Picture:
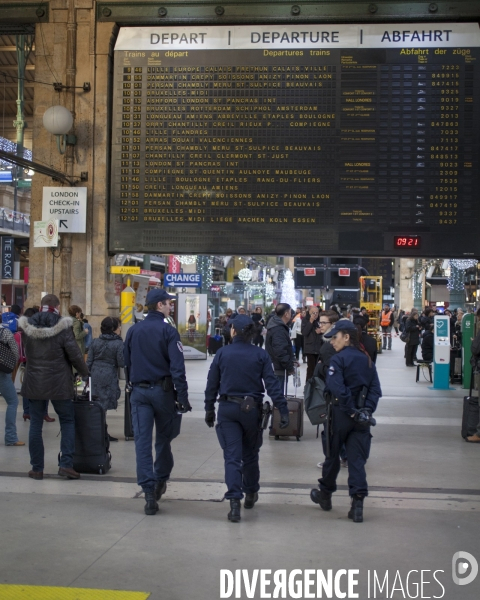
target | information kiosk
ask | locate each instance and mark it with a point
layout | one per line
(441, 353)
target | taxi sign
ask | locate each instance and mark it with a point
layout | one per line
(125, 270)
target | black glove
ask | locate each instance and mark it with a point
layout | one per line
(284, 421)
(210, 417)
(183, 406)
(364, 418)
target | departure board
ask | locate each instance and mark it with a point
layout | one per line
(297, 140)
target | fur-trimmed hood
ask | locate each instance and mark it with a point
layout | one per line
(42, 328)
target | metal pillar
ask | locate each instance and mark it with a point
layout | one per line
(71, 70)
(418, 284)
(24, 45)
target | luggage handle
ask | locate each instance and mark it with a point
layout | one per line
(286, 383)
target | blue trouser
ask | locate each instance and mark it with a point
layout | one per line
(241, 439)
(7, 390)
(357, 440)
(66, 416)
(153, 405)
(26, 406)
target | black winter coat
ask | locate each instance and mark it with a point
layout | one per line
(411, 325)
(370, 345)
(312, 341)
(51, 351)
(278, 345)
(427, 345)
(105, 356)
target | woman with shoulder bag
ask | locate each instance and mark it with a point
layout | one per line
(104, 359)
(8, 361)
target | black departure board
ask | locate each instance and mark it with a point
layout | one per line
(299, 144)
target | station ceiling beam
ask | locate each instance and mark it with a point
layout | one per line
(15, 17)
(281, 11)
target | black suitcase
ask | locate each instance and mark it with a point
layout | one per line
(91, 438)
(470, 417)
(471, 413)
(128, 427)
(295, 410)
(215, 342)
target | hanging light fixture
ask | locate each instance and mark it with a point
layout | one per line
(186, 259)
(244, 275)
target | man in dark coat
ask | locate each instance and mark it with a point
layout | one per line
(413, 327)
(312, 339)
(278, 343)
(51, 352)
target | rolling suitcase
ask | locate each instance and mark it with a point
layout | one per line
(128, 427)
(215, 342)
(92, 445)
(295, 410)
(471, 413)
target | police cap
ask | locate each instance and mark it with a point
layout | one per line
(157, 295)
(344, 325)
(240, 322)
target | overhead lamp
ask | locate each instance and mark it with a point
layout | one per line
(58, 121)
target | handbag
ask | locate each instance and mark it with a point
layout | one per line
(405, 336)
(8, 360)
(19, 378)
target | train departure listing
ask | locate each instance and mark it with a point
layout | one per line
(358, 140)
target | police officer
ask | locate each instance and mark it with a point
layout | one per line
(155, 368)
(353, 383)
(237, 375)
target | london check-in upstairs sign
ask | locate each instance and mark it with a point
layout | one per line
(298, 139)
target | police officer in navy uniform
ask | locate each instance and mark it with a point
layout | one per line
(354, 388)
(237, 376)
(155, 368)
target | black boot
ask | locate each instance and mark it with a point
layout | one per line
(151, 505)
(250, 500)
(321, 497)
(356, 511)
(160, 489)
(234, 514)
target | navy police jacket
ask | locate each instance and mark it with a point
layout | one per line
(153, 351)
(348, 372)
(241, 369)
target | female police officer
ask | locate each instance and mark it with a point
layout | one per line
(237, 375)
(354, 388)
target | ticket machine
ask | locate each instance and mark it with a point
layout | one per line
(441, 353)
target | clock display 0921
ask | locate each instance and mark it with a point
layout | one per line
(407, 241)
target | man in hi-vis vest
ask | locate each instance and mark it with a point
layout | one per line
(386, 322)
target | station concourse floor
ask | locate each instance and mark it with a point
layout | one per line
(424, 505)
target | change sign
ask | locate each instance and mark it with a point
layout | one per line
(68, 205)
(183, 279)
